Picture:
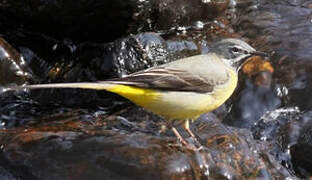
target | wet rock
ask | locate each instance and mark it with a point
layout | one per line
(4, 174)
(81, 20)
(279, 25)
(301, 151)
(288, 136)
(122, 57)
(66, 62)
(253, 101)
(278, 123)
(296, 83)
(283, 28)
(86, 135)
(13, 68)
(41, 52)
(279, 129)
(106, 21)
(287, 132)
(92, 148)
(181, 13)
(54, 60)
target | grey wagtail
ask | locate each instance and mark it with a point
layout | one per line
(183, 89)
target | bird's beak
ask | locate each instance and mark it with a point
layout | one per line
(259, 53)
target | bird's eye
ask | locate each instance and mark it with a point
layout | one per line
(235, 50)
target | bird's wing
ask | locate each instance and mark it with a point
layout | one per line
(167, 78)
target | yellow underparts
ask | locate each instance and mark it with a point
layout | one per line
(177, 104)
(140, 96)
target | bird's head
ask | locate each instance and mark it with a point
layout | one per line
(234, 51)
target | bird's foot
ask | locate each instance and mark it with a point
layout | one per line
(188, 145)
(188, 130)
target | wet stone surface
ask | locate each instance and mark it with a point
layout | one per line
(262, 132)
(93, 20)
(284, 26)
(13, 68)
(83, 150)
(301, 151)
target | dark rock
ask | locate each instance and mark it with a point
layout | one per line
(42, 53)
(279, 130)
(93, 149)
(81, 20)
(250, 104)
(13, 68)
(287, 133)
(183, 13)
(122, 57)
(106, 21)
(291, 38)
(301, 151)
(282, 27)
(78, 134)
(62, 61)
(4, 174)
(297, 81)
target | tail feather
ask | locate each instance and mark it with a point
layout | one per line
(80, 85)
(117, 87)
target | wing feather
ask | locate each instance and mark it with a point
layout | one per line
(164, 78)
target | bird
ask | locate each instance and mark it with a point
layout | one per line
(181, 90)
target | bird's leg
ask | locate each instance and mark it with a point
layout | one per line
(180, 138)
(188, 130)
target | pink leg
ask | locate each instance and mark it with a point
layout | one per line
(180, 138)
(188, 130)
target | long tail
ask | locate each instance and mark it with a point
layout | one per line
(141, 96)
(131, 92)
(80, 85)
